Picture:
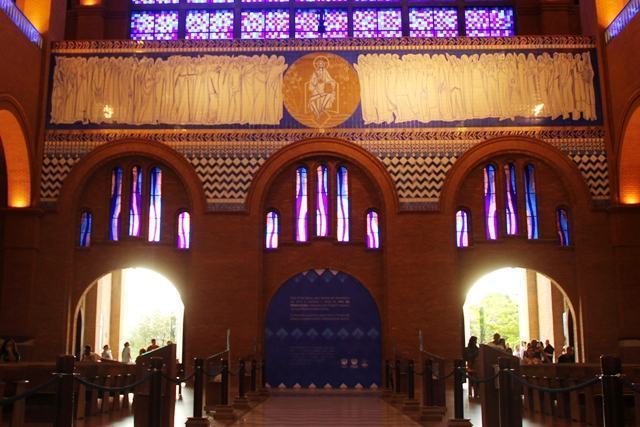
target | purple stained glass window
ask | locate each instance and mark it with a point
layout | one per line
(265, 24)
(375, 23)
(184, 230)
(562, 222)
(301, 205)
(321, 23)
(342, 199)
(322, 201)
(135, 202)
(115, 206)
(209, 25)
(86, 220)
(373, 230)
(490, 210)
(511, 199)
(433, 22)
(531, 202)
(489, 22)
(209, 1)
(155, 2)
(154, 25)
(462, 228)
(271, 230)
(155, 205)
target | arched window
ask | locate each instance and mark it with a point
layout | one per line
(322, 201)
(462, 228)
(184, 230)
(301, 205)
(562, 222)
(86, 220)
(271, 230)
(342, 199)
(531, 201)
(155, 205)
(511, 198)
(115, 206)
(373, 230)
(136, 201)
(490, 210)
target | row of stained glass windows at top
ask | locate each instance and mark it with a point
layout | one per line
(323, 23)
(135, 209)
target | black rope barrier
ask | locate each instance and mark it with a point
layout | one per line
(112, 389)
(450, 374)
(555, 390)
(178, 380)
(212, 374)
(27, 393)
(481, 380)
(633, 386)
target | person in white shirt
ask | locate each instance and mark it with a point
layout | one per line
(106, 353)
(126, 353)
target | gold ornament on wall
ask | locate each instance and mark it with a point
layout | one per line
(321, 90)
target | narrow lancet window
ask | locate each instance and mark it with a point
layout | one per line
(115, 206)
(462, 228)
(85, 229)
(531, 202)
(136, 201)
(562, 220)
(155, 205)
(184, 230)
(271, 230)
(373, 230)
(511, 199)
(301, 205)
(490, 211)
(322, 201)
(342, 197)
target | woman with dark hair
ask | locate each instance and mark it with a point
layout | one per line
(9, 351)
(470, 355)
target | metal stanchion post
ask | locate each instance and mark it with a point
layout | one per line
(64, 410)
(198, 388)
(612, 398)
(155, 392)
(458, 404)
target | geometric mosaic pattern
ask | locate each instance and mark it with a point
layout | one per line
(489, 22)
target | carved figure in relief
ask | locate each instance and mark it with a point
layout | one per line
(322, 88)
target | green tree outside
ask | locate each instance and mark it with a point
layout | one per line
(160, 326)
(495, 313)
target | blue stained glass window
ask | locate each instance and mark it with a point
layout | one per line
(155, 2)
(531, 201)
(375, 23)
(209, 25)
(271, 230)
(155, 205)
(342, 199)
(511, 199)
(209, 1)
(86, 220)
(301, 205)
(490, 210)
(373, 230)
(154, 25)
(136, 201)
(115, 206)
(265, 24)
(321, 23)
(462, 228)
(489, 22)
(322, 201)
(433, 22)
(184, 230)
(562, 222)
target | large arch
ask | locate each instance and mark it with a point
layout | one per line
(629, 155)
(15, 144)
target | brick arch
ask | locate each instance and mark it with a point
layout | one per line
(15, 145)
(515, 145)
(370, 164)
(629, 155)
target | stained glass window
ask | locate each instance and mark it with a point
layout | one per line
(265, 24)
(301, 205)
(490, 210)
(373, 23)
(85, 228)
(373, 230)
(155, 205)
(322, 201)
(135, 202)
(321, 23)
(212, 25)
(155, 1)
(184, 230)
(154, 25)
(489, 22)
(562, 222)
(115, 206)
(271, 230)
(433, 22)
(209, 1)
(462, 228)
(531, 201)
(511, 199)
(342, 199)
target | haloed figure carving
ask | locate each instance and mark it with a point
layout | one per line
(322, 88)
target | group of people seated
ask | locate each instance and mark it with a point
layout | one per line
(89, 355)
